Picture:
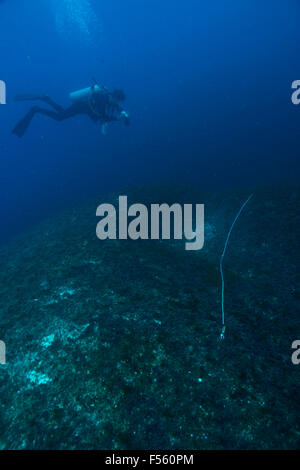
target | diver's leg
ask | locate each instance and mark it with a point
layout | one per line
(61, 115)
(52, 103)
(28, 97)
(45, 98)
(23, 124)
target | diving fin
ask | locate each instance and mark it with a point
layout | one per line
(23, 124)
(28, 97)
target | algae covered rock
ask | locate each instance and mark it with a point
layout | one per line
(114, 344)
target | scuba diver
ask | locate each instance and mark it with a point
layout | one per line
(97, 102)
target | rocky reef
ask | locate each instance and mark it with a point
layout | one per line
(115, 344)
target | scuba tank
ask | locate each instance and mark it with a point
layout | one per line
(86, 94)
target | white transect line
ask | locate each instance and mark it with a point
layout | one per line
(221, 262)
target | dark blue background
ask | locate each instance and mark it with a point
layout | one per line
(208, 87)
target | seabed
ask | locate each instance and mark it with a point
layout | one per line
(114, 344)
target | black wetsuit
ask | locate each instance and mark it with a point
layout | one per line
(99, 107)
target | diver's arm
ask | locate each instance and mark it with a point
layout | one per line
(117, 113)
(124, 116)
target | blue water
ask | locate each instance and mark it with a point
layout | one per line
(208, 88)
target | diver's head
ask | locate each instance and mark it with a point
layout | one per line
(118, 95)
